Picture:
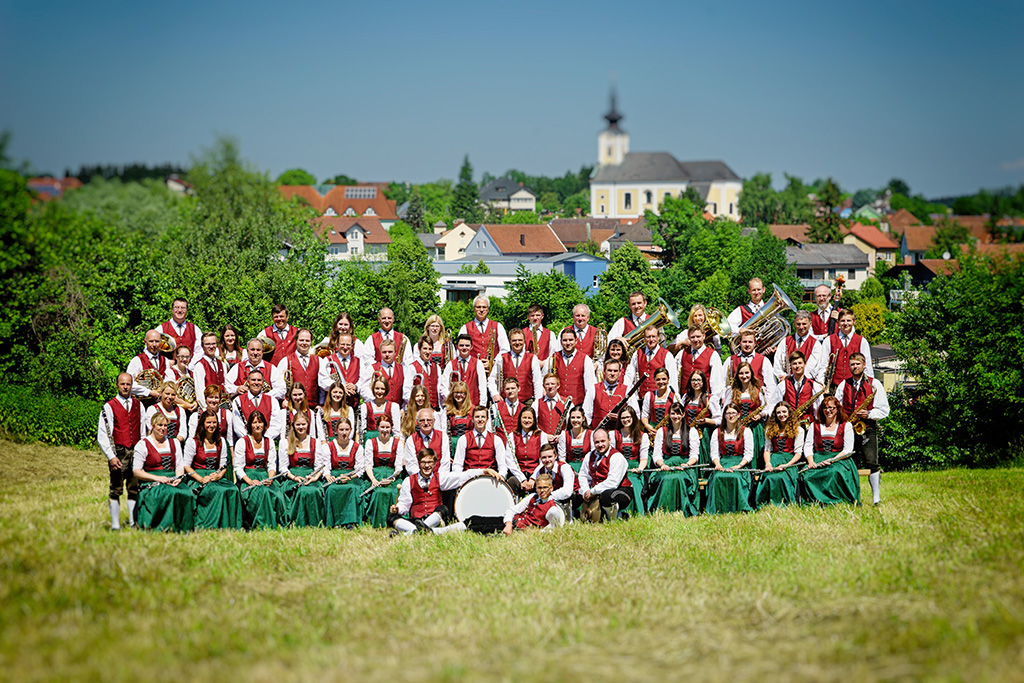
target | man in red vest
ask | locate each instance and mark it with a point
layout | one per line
(209, 370)
(345, 367)
(150, 359)
(183, 332)
(650, 357)
(120, 428)
(518, 363)
(606, 395)
(422, 371)
(584, 331)
(255, 399)
(747, 353)
(551, 405)
(480, 330)
(825, 320)
(390, 368)
(545, 339)
(864, 399)
(741, 314)
(604, 486)
(704, 358)
(574, 368)
(237, 379)
(844, 342)
(371, 349)
(465, 367)
(802, 340)
(281, 333)
(509, 406)
(538, 509)
(425, 436)
(636, 317)
(304, 367)
(796, 388)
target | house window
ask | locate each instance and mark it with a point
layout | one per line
(330, 211)
(628, 201)
(350, 211)
(596, 281)
(602, 208)
(714, 207)
(730, 207)
(648, 197)
(369, 212)
(804, 274)
(851, 274)
(609, 151)
(668, 196)
(360, 193)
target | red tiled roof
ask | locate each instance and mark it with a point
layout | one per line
(375, 232)
(797, 233)
(901, 219)
(919, 237)
(941, 266)
(1015, 250)
(977, 226)
(873, 236)
(532, 238)
(572, 231)
(335, 198)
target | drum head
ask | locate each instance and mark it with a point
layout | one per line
(483, 496)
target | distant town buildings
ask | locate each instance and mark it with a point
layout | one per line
(506, 195)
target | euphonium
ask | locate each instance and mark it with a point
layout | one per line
(665, 315)
(768, 325)
(268, 343)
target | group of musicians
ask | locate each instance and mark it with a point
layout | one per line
(206, 433)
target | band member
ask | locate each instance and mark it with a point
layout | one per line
(796, 388)
(150, 359)
(297, 404)
(434, 331)
(423, 372)
(551, 405)
(509, 406)
(656, 403)
(183, 332)
(747, 392)
(255, 463)
(843, 343)
(702, 357)
(482, 331)
(651, 357)
(388, 367)
(384, 466)
(825, 321)
(527, 441)
(540, 341)
(803, 341)
(371, 348)
(865, 401)
(602, 401)
(457, 414)
(562, 475)
(334, 411)
(732, 448)
(482, 448)
(167, 406)
(347, 369)
(426, 436)
(282, 334)
(464, 368)
(761, 366)
(538, 509)
(120, 428)
(255, 399)
(626, 324)
(604, 487)
(179, 371)
(617, 350)
(698, 316)
(831, 475)
(218, 505)
(299, 367)
(703, 412)
(159, 467)
(419, 505)
(228, 350)
(214, 405)
(344, 464)
(741, 314)
(576, 441)
(342, 325)
(585, 333)
(379, 405)
(574, 368)
(417, 401)
(783, 451)
(676, 446)
(518, 363)
(238, 376)
(209, 371)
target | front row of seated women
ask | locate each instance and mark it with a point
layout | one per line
(308, 481)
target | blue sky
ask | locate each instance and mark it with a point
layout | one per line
(927, 91)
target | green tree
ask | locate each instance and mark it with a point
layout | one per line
(411, 283)
(758, 201)
(872, 289)
(588, 247)
(521, 218)
(341, 179)
(827, 225)
(870, 319)
(548, 202)
(146, 207)
(480, 269)
(863, 197)
(296, 176)
(898, 186)
(466, 201)
(554, 291)
(416, 215)
(580, 201)
(679, 220)
(949, 236)
(629, 271)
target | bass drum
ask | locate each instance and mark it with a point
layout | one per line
(483, 496)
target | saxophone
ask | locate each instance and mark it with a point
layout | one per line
(860, 426)
(798, 413)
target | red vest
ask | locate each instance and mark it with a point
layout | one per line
(253, 461)
(628, 325)
(535, 513)
(585, 344)
(746, 312)
(331, 424)
(175, 421)
(206, 460)
(557, 481)
(789, 395)
(851, 400)
(161, 363)
(576, 453)
(687, 364)
(673, 446)
(646, 367)
(427, 376)
(349, 375)
(395, 381)
(469, 377)
(527, 452)
(823, 446)
(823, 327)
(214, 372)
(245, 368)
(630, 449)
(783, 444)
(730, 447)
(304, 458)
(384, 459)
(425, 501)
(343, 460)
(748, 405)
(509, 420)
(187, 339)
(843, 355)
(544, 336)
(125, 429)
(599, 471)
(524, 373)
(547, 418)
(376, 338)
(757, 365)
(435, 444)
(291, 415)
(246, 406)
(605, 401)
(306, 377)
(571, 375)
(479, 457)
(282, 347)
(480, 340)
(157, 461)
(806, 348)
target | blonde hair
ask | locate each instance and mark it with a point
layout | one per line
(409, 414)
(293, 438)
(435, 318)
(449, 403)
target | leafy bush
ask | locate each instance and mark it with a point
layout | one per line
(29, 415)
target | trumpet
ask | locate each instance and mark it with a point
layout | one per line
(635, 339)
(768, 324)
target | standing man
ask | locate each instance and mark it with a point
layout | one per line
(237, 377)
(150, 359)
(701, 357)
(371, 349)
(422, 371)
(825, 321)
(741, 314)
(345, 367)
(867, 394)
(636, 317)
(604, 485)
(551, 405)
(390, 368)
(545, 339)
(518, 363)
(183, 332)
(762, 367)
(209, 370)
(844, 342)
(651, 357)
(304, 367)
(465, 367)
(281, 333)
(606, 395)
(575, 369)
(120, 428)
(508, 405)
(481, 329)
(481, 448)
(795, 389)
(802, 340)
(584, 332)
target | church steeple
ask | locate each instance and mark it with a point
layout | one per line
(612, 142)
(613, 116)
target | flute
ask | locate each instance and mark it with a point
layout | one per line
(351, 475)
(830, 461)
(260, 483)
(382, 482)
(172, 482)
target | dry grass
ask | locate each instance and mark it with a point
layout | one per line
(927, 586)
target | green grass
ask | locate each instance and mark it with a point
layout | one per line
(927, 586)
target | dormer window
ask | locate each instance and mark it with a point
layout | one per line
(330, 211)
(350, 211)
(369, 212)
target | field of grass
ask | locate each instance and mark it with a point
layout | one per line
(929, 585)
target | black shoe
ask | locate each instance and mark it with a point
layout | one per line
(394, 533)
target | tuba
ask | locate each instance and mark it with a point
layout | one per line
(635, 339)
(268, 343)
(768, 325)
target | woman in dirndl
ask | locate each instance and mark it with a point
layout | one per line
(255, 461)
(746, 392)
(703, 412)
(732, 448)
(632, 441)
(673, 489)
(218, 505)
(334, 411)
(457, 413)
(655, 405)
(576, 442)
(159, 465)
(298, 402)
(297, 461)
(344, 483)
(419, 400)
(380, 388)
(831, 475)
(783, 451)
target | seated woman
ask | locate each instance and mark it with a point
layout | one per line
(255, 461)
(576, 442)
(177, 419)
(334, 411)
(746, 392)
(456, 414)
(783, 449)
(297, 462)
(732, 448)
(380, 387)
(383, 457)
(632, 441)
(298, 402)
(675, 446)
(160, 466)
(656, 403)
(418, 400)
(218, 505)
(831, 475)
(344, 464)
(702, 412)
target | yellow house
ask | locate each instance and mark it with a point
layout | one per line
(455, 241)
(626, 183)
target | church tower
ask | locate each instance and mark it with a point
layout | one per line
(612, 142)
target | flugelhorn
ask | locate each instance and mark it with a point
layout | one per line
(768, 325)
(665, 315)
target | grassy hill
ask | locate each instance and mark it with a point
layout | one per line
(927, 586)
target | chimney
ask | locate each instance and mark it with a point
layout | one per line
(588, 231)
(522, 239)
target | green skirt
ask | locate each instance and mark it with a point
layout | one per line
(704, 455)
(218, 505)
(636, 506)
(305, 503)
(777, 488)
(344, 504)
(379, 501)
(728, 491)
(836, 483)
(164, 507)
(263, 507)
(674, 491)
(757, 429)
